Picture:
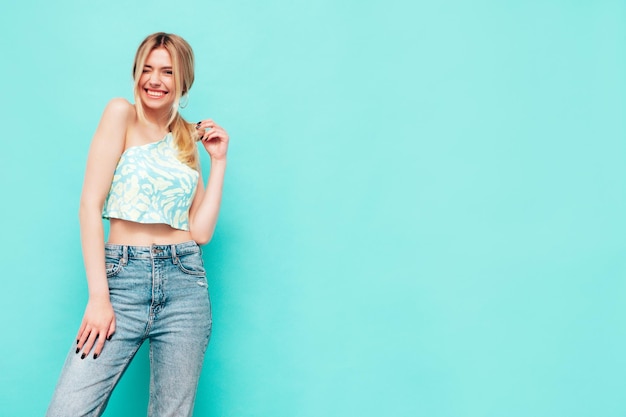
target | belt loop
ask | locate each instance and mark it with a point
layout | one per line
(174, 256)
(124, 254)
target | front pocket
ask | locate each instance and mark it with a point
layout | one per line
(113, 266)
(191, 264)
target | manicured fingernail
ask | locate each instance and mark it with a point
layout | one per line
(83, 355)
(198, 124)
(77, 350)
(95, 356)
(109, 338)
(77, 341)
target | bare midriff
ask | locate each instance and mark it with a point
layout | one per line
(124, 232)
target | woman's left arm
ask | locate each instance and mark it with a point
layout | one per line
(206, 204)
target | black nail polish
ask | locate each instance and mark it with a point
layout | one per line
(83, 355)
(77, 341)
(77, 350)
(95, 356)
(109, 338)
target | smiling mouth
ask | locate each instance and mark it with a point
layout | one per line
(155, 93)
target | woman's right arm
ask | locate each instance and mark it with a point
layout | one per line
(106, 147)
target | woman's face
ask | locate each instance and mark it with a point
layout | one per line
(156, 83)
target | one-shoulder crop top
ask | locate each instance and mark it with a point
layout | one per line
(150, 185)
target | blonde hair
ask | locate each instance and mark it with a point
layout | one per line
(184, 133)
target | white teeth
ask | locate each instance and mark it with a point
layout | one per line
(155, 93)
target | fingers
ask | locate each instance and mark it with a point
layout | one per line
(91, 340)
(214, 138)
(206, 124)
(94, 332)
(202, 127)
(205, 127)
(83, 337)
(83, 325)
(86, 342)
(213, 134)
(100, 339)
(99, 344)
(111, 329)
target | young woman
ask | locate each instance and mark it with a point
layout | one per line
(148, 280)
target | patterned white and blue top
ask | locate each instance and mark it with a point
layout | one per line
(150, 185)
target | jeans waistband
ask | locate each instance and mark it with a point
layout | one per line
(152, 251)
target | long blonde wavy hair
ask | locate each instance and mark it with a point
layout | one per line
(183, 132)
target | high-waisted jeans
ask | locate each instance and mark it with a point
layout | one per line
(159, 293)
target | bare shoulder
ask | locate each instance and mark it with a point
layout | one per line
(119, 110)
(118, 115)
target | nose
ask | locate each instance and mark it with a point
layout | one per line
(154, 79)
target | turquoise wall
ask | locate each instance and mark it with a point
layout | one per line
(423, 212)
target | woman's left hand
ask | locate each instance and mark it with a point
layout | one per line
(215, 139)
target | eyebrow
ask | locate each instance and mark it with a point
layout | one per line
(150, 66)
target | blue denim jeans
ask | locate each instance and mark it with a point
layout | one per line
(159, 293)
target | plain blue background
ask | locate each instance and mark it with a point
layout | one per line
(423, 212)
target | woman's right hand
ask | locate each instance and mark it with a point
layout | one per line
(98, 325)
